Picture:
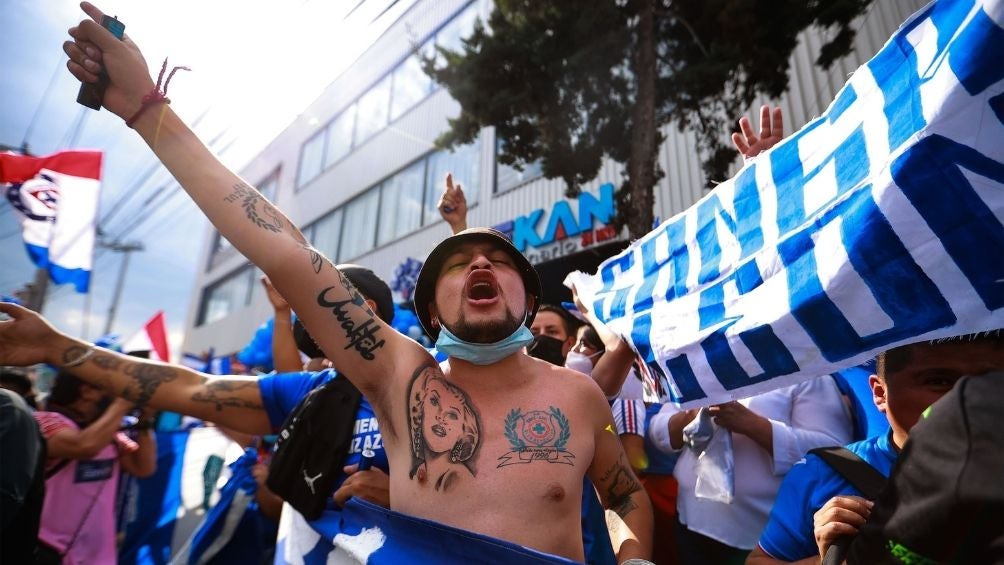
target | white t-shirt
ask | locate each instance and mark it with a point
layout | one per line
(803, 416)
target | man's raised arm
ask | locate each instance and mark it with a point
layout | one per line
(234, 402)
(359, 344)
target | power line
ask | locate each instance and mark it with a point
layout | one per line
(41, 102)
(157, 165)
(140, 217)
(74, 131)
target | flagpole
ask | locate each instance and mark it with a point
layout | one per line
(38, 289)
(87, 314)
(127, 249)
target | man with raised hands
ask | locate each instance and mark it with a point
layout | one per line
(488, 443)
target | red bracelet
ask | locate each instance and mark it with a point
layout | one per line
(152, 98)
(156, 96)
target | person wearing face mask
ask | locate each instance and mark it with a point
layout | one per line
(554, 334)
(586, 352)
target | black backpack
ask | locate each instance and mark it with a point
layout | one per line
(312, 446)
(859, 473)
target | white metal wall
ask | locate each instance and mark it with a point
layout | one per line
(411, 136)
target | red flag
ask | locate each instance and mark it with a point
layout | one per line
(152, 338)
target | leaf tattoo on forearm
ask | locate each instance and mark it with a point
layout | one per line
(268, 217)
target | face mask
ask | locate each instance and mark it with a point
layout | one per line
(548, 349)
(482, 353)
(580, 362)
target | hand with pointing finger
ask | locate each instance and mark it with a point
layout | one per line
(453, 206)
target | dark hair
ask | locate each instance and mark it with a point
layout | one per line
(898, 358)
(570, 323)
(17, 380)
(65, 390)
(592, 338)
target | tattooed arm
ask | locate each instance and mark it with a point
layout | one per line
(232, 401)
(355, 340)
(622, 492)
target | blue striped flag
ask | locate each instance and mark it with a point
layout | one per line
(877, 224)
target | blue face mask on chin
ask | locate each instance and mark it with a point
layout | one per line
(483, 353)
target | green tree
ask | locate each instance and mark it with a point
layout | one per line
(567, 83)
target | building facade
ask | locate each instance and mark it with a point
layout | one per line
(359, 173)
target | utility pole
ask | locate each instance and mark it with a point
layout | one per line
(34, 293)
(127, 249)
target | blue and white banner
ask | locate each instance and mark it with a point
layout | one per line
(160, 513)
(877, 224)
(363, 532)
(56, 198)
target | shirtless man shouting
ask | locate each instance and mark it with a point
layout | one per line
(494, 441)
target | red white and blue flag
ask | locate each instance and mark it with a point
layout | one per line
(56, 198)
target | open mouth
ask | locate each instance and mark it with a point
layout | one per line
(481, 287)
(439, 430)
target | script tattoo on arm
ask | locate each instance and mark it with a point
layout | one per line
(259, 210)
(445, 430)
(224, 394)
(361, 336)
(620, 485)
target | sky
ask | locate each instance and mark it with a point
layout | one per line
(256, 64)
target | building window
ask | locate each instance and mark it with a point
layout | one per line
(404, 87)
(220, 245)
(340, 136)
(465, 165)
(326, 234)
(451, 36)
(226, 295)
(269, 187)
(359, 229)
(508, 177)
(410, 86)
(401, 203)
(311, 159)
(372, 110)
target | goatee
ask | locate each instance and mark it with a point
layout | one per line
(489, 331)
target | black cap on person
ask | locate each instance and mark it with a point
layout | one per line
(425, 288)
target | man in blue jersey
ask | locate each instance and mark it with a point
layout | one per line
(815, 504)
(254, 406)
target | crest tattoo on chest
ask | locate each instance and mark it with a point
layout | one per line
(537, 435)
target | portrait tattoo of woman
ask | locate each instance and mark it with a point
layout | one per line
(445, 430)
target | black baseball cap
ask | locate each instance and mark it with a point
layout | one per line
(372, 287)
(425, 288)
